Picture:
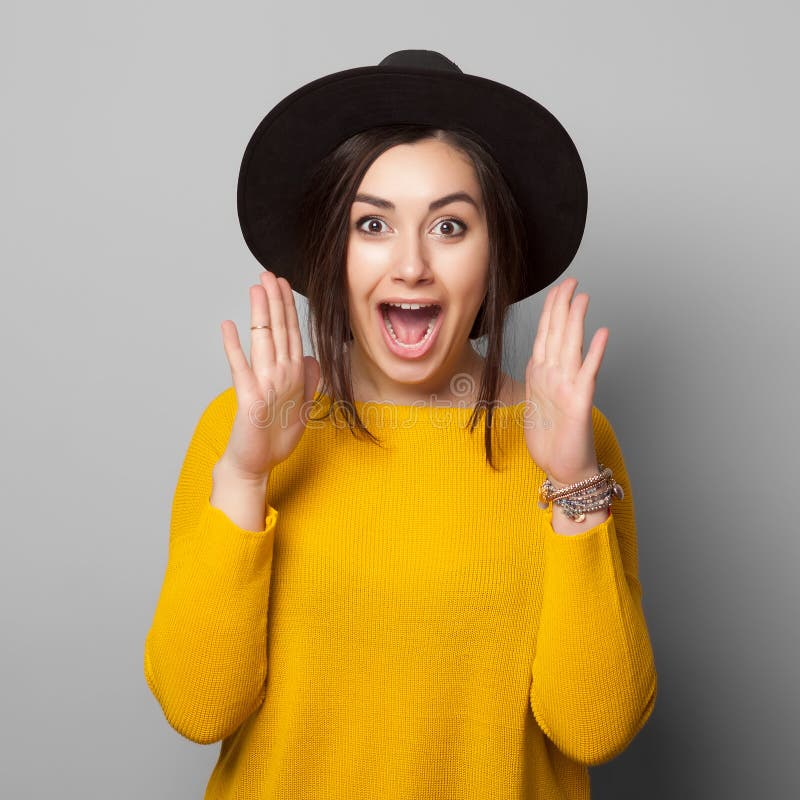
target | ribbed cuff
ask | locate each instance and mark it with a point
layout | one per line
(586, 566)
(238, 553)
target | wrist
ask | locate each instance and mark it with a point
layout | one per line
(224, 470)
(561, 482)
(565, 526)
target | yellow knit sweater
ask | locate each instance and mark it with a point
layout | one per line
(407, 625)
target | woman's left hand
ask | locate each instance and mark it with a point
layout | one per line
(559, 388)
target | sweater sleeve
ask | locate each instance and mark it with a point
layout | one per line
(205, 655)
(593, 682)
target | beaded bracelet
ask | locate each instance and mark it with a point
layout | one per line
(577, 499)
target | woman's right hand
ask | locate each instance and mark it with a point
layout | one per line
(274, 390)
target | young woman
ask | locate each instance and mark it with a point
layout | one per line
(368, 594)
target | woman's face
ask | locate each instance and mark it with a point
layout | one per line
(417, 235)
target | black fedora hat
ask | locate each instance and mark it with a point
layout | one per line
(535, 154)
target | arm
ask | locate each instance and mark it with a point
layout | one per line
(205, 656)
(593, 682)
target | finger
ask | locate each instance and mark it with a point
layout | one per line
(558, 320)
(277, 316)
(572, 346)
(237, 360)
(292, 323)
(540, 341)
(587, 375)
(262, 350)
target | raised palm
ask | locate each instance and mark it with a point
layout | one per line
(559, 387)
(274, 390)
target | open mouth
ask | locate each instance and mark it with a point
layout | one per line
(410, 324)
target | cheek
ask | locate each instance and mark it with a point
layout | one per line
(365, 267)
(481, 270)
(469, 275)
(359, 285)
(364, 257)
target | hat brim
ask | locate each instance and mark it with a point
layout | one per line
(533, 150)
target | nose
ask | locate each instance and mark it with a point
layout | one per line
(412, 265)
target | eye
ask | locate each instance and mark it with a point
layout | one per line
(450, 222)
(374, 225)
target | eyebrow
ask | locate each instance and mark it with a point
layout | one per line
(442, 201)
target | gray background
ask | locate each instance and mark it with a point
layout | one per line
(123, 126)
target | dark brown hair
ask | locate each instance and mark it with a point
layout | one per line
(324, 232)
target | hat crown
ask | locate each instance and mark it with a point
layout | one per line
(420, 59)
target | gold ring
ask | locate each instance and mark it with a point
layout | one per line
(256, 327)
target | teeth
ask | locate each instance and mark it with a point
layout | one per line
(411, 305)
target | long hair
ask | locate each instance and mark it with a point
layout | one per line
(325, 215)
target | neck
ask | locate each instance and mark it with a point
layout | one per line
(457, 385)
